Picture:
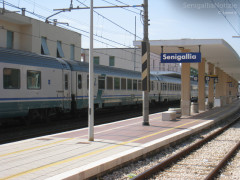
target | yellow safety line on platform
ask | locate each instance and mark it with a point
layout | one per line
(91, 153)
(97, 151)
(28, 149)
(36, 147)
(32, 148)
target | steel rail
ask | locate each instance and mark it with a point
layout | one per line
(167, 162)
(224, 161)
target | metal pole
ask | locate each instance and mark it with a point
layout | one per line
(91, 81)
(145, 93)
(134, 68)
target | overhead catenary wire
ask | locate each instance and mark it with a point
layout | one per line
(234, 8)
(225, 17)
(121, 7)
(111, 21)
(127, 4)
(49, 39)
(42, 17)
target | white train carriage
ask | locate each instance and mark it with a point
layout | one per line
(36, 86)
(113, 86)
(170, 89)
(32, 85)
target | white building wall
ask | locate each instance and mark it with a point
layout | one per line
(28, 33)
(124, 58)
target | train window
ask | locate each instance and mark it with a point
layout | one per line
(66, 81)
(123, 84)
(165, 86)
(33, 79)
(116, 83)
(79, 81)
(101, 82)
(152, 85)
(129, 84)
(134, 84)
(109, 83)
(139, 85)
(11, 78)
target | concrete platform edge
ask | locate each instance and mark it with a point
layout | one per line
(105, 164)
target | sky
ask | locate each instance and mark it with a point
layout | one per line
(169, 19)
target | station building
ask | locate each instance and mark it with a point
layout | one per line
(128, 58)
(20, 32)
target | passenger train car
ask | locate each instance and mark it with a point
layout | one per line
(36, 86)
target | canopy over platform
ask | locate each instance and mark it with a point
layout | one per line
(216, 51)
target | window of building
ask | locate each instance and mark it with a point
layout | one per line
(129, 84)
(79, 81)
(111, 61)
(66, 81)
(60, 53)
(116, 83)
(44, 47)
(72, 52)
(109, 83)
(11, 78)
(10, 39)
(134, 84)
(123, 84)
(101, 82)
(96, 60)
(33, 79)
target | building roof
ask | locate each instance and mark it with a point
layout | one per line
(216, 51)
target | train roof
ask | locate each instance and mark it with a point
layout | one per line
(106, 70)
(170, 79)
(32, 59)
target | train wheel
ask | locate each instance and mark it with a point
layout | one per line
(33, 115)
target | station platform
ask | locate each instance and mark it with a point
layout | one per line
(70, 155)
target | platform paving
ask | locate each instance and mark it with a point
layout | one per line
(70, 155)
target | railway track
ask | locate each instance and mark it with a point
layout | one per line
(202, 160)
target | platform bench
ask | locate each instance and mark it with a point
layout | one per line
(168, 115)
(178, 111)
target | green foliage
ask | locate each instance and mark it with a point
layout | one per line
(131, 175)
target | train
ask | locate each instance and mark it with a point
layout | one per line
(37, 86)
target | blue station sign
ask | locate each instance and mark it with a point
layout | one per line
(191, 57)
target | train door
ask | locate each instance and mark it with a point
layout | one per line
(79, 90)
(66, 89)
